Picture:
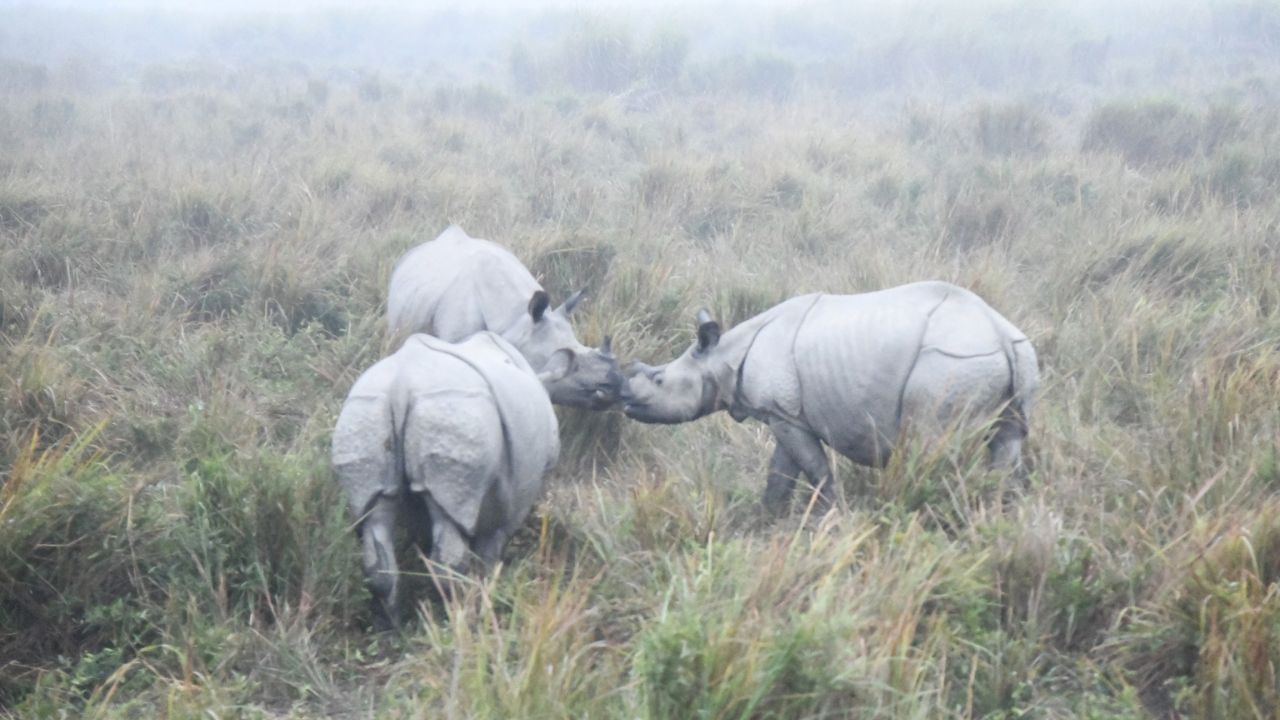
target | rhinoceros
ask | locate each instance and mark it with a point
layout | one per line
(456, 285)
(455, 438)
(851, 371)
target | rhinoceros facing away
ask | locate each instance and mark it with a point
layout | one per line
(852, 371)
(456, 285)
(454, 437)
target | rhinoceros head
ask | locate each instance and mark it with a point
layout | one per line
(572, 373)
(682, 390)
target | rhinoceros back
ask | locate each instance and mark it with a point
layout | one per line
(854, 356)
(506, 415)
(455, 286)
(468, 423)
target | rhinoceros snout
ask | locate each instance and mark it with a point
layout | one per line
(625, 394)
(614, 381)
(605, 396)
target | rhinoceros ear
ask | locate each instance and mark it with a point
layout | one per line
(559, 365)
(708, 331)
(538, 304)
(573, 301)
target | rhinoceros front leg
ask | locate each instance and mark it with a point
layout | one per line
(805, 450)
(783, 471)
(378, 556)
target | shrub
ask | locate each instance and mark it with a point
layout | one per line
(479, 100)
(1247, 23)
(202, 218)
(704, 656)
(262, 535)
(1242, 177)
(787, 191)
(20, 212)
(767, 75)
(294, 300)
(598, 56)
(318, 90)
(663, 59)
(213, 290)
(572, 264)
(1208, 643)
(690, 667)
(1051, 584)
(738, 301)
(762, 75)
(1010, 130)
(660, 186)
(371, 88)
(68, 558)
(884, 192)
(1089, 58)
(525, 69)
(977, 219)
(1157, 132)
(53, 117)
(17, 76)
(1169, 262)
(42, 396)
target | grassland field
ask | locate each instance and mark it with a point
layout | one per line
(194, 251)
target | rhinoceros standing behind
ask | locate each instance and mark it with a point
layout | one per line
(455, 437)
(456, 285)
(852, 371)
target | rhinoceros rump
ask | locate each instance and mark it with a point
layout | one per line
(458, 437)
(851, 371)
(456, 285)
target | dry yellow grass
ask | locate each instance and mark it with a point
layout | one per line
(192, 265)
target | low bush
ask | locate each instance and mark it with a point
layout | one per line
(1010, 130)
(1158, 132)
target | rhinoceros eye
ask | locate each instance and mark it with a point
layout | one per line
(657, 379)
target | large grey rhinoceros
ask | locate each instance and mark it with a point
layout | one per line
(456, 438)
(852, 371)
(456, 285)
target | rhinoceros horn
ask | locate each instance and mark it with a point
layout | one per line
(569, 305)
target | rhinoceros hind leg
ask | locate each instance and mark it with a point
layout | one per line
(1005, 444)
(450, 550)
(806, 451)
(378, 556)
(489, 546)
(783, 471)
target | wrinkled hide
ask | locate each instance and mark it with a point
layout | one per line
(456, 285)
(467, 428)
(852, 371)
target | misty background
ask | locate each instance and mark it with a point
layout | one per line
(1056, 53)
(201, 203)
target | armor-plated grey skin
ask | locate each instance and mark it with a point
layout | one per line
(456, 285)
(852, 371)
(458, 437)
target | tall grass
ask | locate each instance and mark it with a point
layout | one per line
(192, 267)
